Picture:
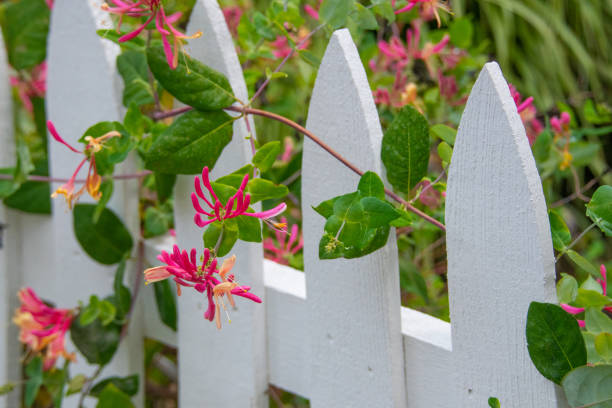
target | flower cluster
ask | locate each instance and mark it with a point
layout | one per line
(429, 8)
(32, 87)
(42, 328)
(185, 271)
(604, 284)
(235, 206)
(280, 251)
(93, 180)
(528, 113)
(153, 10)
(561, 129)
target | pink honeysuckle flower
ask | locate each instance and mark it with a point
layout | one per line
(281, 47)
(280, 250)
(604, 286)
(236, 206)
(154, 11)
(528, 113)
(93, 180)
(311, 11)
(560, 125)
(42, 328)
(49, 3)
(429, 8)
(232, 16)
(288, 145)
(32, 87)
(184, 270)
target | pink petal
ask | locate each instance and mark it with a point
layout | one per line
(270, 213)
(571, 309)
(57, 137)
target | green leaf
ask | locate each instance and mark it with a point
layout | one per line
(335, 12)
(445, 152)
(6, 388)
(554, 341)
(91, 312)
(384, 9)
(96, 342)
(263, 26)
(589, 342)
(262, 189)
(599, 209)
(166, 303)
(32, 197)
(192, 82)
(164, 185)
(494, 402)
(229, 238)
(106, 188)
(54, 381)
(194, 140)
(249, 228)
(589, 386)
(34, 372)
(108, 311)
(560, 233)
(445, 133)
(582, 262)
(132, 65)
(122, 295)
(370, 185)
(596, 114)
(107, 240)
(588, 298)
(405, 149)
(567, 289)
(127, 385)
(7, 187)
(380, 213)
(591, 284)
(114, 150)
(76, 384)
(597, 321)
(266, 155)
(461, 32)
(156, 222)
(365, 18)
(113, 397)
(603, 346)
(25, 28)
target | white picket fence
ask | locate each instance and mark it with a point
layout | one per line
(335, 334)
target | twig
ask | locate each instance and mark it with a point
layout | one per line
(574, 242)
(136, 289)
(151, 78)
(88, 385)
(584, 188)
(577, 190)
(275, 397)
(45, 179)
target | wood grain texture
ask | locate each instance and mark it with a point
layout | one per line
(83, 88)
(500, 254)
(228, 367)
(9, 282)
(354, 306)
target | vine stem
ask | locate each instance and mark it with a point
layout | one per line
(311, 136)
(336, 155)
(88, 385)
(46, 179)
(574, 242)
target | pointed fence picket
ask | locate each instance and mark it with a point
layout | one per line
(335, 334)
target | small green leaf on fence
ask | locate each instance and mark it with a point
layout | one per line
(591, 298)
(166, 303)
(567, 289)
(194, 140)
(31, 197)
(405, 149)
(107, 240)
(561, 236)
(494, 403)
(96, 342)
(34, 372)
(132, 65)
(266, 155)
(113, 397)
(108, 311)
(554, 341)
(249, 228)
(597, 321)
(76, 384)
(583, 263)
(213, 232)
(127, 385)
(599, 209)
(589, 386)
(445, 133)
(192, 82)
(90, 312)
(115, 149)
(262, 189)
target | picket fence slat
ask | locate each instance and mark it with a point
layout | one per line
(355, 359)
(500, 255)
(83, 88)
(335, 334)
(234, 357)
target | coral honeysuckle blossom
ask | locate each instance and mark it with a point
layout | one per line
(282, 250)
(93, 180)
(561, 129)
(154, 10)
(32, 87)
(42, 328)
(237, 205)
(528, 113)
(184, 270)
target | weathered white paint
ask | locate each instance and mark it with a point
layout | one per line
(500, 255)
(354, 305)
(235, 357)
(9, 278)
(82, 89)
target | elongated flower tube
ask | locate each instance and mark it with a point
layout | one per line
(237, 205)
(42, 328)
(154, 11)
(183, 268)
(93, 180)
